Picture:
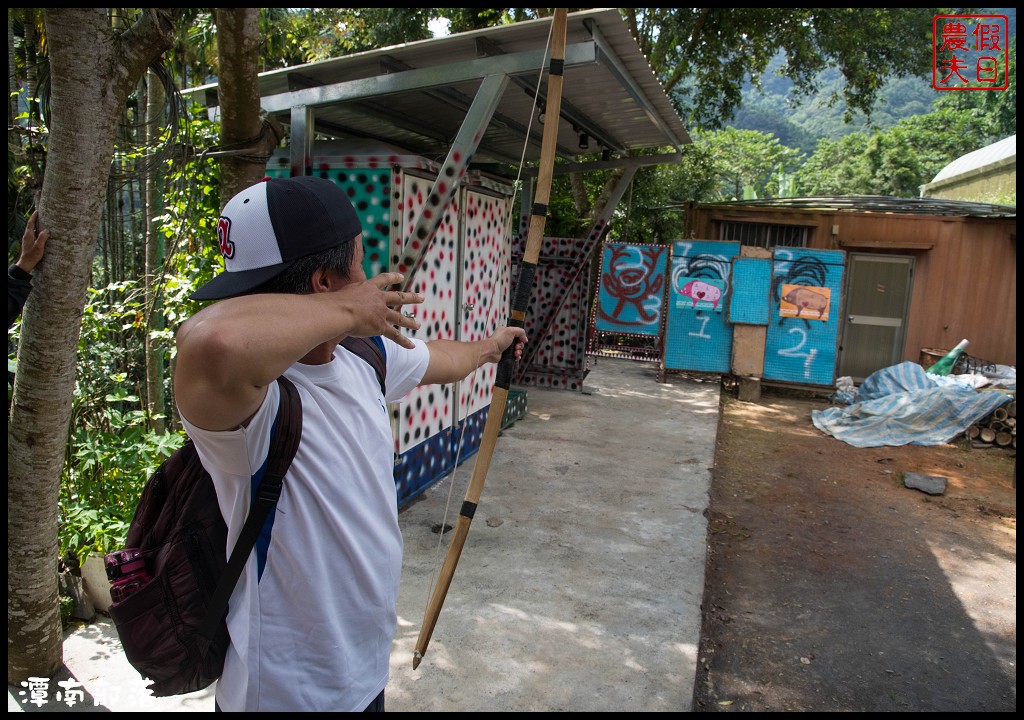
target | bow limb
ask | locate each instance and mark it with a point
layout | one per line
(520, 304)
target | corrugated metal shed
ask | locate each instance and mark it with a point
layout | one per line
(417, 96)
(876, 204)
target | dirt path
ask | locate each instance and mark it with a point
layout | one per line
(831, 586)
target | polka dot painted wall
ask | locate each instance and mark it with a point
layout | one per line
(559, 355)
(485, 304)
(428, 410)
(485, 288)
(465, 278)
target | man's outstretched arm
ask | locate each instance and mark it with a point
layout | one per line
(451, 360)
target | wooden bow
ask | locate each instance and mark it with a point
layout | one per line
(520, 304)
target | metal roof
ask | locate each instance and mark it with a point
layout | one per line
(416, 96)
(997, 152)
(879, 204)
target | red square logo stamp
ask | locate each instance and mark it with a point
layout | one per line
(970, 52)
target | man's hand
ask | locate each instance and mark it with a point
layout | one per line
(504, 337)
(452, 360)
(378, 311)
(32, 245)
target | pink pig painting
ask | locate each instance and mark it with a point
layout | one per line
(806, 299)
(701, 291)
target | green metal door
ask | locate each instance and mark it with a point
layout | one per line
(877, 301)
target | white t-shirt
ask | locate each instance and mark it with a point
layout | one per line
(314, 632)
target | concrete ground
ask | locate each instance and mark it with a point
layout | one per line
(580, 584)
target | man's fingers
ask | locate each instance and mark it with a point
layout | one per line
(403, 340)
(396, 334)
(394, 298)
(397, 298)
(386, 279)
(401, 319)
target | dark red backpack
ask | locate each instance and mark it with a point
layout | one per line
(172, 582)
(173, 625)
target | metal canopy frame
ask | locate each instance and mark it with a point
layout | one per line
(418, 96)
(474, 101)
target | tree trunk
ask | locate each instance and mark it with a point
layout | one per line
(93, 70)
(579, 196)
(243, 127)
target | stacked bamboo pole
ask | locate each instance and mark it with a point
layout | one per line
(998, 429)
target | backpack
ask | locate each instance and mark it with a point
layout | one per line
(172, 583)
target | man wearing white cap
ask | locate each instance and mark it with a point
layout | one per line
(314, 613)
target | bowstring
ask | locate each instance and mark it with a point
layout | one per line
(473, 382)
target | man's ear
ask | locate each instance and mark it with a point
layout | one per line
(322, 280)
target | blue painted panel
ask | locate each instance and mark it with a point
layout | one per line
(803, 328)
(423, 465)
(632, 288)
(697, 336)
(751, 286)
(466, 436)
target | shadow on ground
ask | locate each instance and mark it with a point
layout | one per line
(830, 586)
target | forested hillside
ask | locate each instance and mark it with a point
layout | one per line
(769, 108)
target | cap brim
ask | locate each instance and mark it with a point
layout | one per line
(230, 284)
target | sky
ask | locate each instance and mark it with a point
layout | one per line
(439, 27)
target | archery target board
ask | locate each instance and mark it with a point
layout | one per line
(698, 336)
(631, 289)
(803, 329)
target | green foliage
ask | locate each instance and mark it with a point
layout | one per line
(705, 55)
(26, 160)
(110, 449)
(837, 167)
(747, 159)
(775, 108)
(724, 164)
(112, 446)
(999, 108)
(189, 223)
(295, 36)
(564, 219)
(653, 208)
(765, 115)
(896, 161)
(466, 19)
(67, 606)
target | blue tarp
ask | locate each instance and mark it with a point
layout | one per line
(904, 405)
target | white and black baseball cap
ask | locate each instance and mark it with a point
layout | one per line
(268, 226)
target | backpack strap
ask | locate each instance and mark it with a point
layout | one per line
(283, 445)
(370, 349)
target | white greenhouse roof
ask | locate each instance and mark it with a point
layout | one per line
(989, 155)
